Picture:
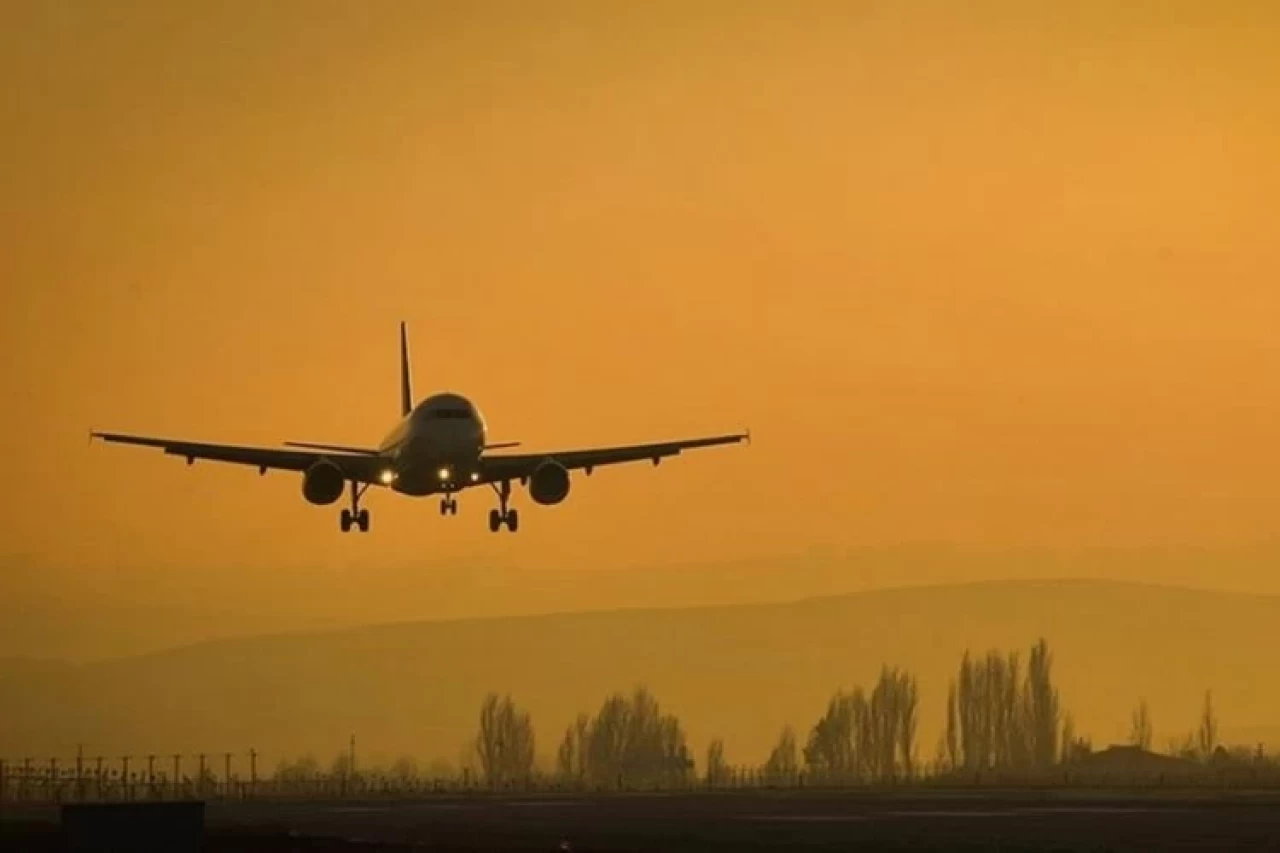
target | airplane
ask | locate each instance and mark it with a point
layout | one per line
(439, 447)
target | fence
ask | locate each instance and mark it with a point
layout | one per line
(228, 776)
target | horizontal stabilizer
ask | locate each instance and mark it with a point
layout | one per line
(502, 444)
(337, 448)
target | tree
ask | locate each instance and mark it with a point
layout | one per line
(717, 769)
(630, 742)
(571, 758)
(995, 718)
(302, 770)
(783, 764)
(405, 770)
(1068, 738)
(867, 739)
(829, 751)
(1042, 706)
(953, 743)
(1140, 726)
(505, 742)
(908, 700)
(1207, 735)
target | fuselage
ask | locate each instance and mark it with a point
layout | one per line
(437, 446)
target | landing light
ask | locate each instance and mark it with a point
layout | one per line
(443, 473)
(386, 477)
(475, 476)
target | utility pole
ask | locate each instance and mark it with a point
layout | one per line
(352, 757)
(151, 775)
(79, 771)
(124, 777)
(98, 774)
(200, 779)
(253, 771)
(226, 773)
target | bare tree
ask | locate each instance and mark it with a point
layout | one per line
(1140, 726)
(303, 769)
(829, 751)
(404, 770)
(1042, 706)
(717, 769)
(571, 758)
(632, 742)
(1068, 738)
(997, 718)
(505, 742)
(1207, 735)
(783, 764)
(953, 743)
(908, 700)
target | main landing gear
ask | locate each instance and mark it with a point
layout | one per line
(448, 505)
(503, 515)
(357, 516)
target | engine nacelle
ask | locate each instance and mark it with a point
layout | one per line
(549, 483)
(323, 483)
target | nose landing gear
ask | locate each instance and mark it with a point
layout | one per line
(448, 505)
(503, 515)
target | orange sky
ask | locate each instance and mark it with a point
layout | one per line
(992, 277)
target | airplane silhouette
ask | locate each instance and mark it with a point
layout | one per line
(440, 446)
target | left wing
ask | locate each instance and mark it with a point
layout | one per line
(515, 466)
(363, 468)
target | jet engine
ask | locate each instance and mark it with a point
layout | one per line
(323, 482)
(549, 483)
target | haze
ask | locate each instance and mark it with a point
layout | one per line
(1001, 276)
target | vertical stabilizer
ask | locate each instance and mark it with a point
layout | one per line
(406, 388)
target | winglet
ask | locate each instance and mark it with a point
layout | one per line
(406, 391)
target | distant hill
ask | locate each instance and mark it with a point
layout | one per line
(81, 614)
(739, 672)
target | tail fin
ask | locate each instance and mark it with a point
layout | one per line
(406, 391)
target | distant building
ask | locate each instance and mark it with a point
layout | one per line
(1132, 761)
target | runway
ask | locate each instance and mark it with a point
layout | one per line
(1057, 820)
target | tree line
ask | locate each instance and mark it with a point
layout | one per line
(1000, 716)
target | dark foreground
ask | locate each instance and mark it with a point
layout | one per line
(758, 820)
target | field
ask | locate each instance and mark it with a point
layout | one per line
(1005, 821)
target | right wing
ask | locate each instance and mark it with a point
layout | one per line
(515, 466)
(363, 468)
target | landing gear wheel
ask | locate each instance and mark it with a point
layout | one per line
(513, 520)
(355, 516)
(495, 520)
(448, 506)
